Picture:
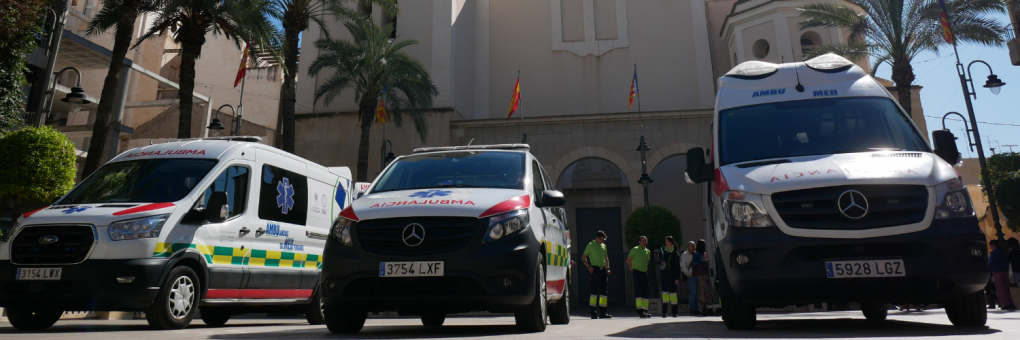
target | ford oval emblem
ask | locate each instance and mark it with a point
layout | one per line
(48, 239)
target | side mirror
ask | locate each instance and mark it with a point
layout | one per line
(945, 146)
(218, 209)
(360, 188)
(551, 199)
(697, 170)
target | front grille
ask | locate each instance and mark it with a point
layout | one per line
(445, 286)
(38, 288)
(74, 242)
(442, 234)
(888, 206)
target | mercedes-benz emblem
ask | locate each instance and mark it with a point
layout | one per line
(48, 239)
(413, 235)
(853, 204)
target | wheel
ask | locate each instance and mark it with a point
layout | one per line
(874, 311)
(32, 320)
(735, 313)
(433, 319)
(215, 316)
(314, 313)
(970, 311)
(345, 322)
(176, 302)
(559, 312)
(532, 317)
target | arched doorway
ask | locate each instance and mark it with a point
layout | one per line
(685, 200)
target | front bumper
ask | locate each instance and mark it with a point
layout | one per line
(786, 269)
(88, 286)
(472, 279)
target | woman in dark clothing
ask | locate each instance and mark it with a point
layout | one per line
(1013, 258)
(706, 295)
(1000, 270)
(670, 265)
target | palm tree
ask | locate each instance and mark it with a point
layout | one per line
(370, 63)
(895, 31)
(119, 15)
(295, 16)
(190, 20)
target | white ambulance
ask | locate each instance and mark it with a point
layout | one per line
(824, 190)
(226, 225)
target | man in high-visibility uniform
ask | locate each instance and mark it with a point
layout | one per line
(596, 258)
(637, 260)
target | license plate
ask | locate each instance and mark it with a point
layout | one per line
(48, 274)
(404, 269)
(868, 268)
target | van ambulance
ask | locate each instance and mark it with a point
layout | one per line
(226, 225)
(823, 190)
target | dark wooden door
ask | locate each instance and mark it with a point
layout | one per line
(589, 221)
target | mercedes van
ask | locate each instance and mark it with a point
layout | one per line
(823, 190)
(226, 225)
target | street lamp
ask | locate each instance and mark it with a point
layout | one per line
(75, 99)
(387, 153)
(645, 180)
(217, 124)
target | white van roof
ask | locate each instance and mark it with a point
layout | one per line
(756, 82)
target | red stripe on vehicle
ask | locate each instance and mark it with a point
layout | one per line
(223, 294)
(348, 213)
(26, 215)
(512, 204)
(258, 294)
(147, 207)
(555, 287)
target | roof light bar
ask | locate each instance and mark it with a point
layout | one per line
(752, 70)
(226, 138)
(829, 63)
(517, 146)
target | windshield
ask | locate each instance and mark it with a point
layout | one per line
(815, 127)
(141, 181)
(468, 169)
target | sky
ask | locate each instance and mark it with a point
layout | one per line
(941, 92)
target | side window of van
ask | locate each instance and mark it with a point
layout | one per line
(536, 178)
(283, 196)
(234, 182)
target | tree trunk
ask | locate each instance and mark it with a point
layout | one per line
(288, 95)
(100, 129)
(365, 110)
(191, 48)
(903, 76)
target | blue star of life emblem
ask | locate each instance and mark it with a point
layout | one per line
(72, 210)
(431, 193)
(285, 197)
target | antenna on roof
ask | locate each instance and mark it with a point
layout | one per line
(799, 87)
(471, 141)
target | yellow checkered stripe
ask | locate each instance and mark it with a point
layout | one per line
(238, 256)
(556, 255)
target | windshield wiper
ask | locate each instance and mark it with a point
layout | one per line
(456, 186)
(866, 150)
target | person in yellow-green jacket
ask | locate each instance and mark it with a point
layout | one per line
(638, 263)
(596, 258)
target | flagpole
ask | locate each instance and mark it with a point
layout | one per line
(642, 147)
(521, 105)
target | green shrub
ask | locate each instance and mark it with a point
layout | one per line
(39, 164)
(1005, 171)
(19, 24)
(658, 223)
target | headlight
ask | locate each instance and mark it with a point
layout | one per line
(952, 200)
(341, 231)
(744, 209)
(506, 224)
(145, 227)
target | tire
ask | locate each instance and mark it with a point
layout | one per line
(32, 320)
(345, 322)
(177, 301)
(970, 311)
(559, 312)
(433, 319)
(531, 318)
(735, 313)
(874, 311)
(216, 316)
(314, 313)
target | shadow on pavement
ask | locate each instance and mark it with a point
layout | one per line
(802, 329)
(61, 327)
(386, 332)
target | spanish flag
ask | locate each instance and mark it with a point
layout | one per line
(243, 69)
(633, 90)
(380, 110)
(515, 99)
(947, 32)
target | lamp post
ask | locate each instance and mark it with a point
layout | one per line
(994, 84)
(386, 153)
(74, 100)
(217, 124)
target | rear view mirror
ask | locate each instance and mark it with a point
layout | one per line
(360, 188)
(551, 199)
(945, 146)
(218, 209)
(697, 170)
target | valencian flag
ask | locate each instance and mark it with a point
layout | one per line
(633, 90)
(947, 33)
(243, 69)
(515, 99)
(380, 110)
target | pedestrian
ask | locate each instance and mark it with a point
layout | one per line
(596, 258)
(670, 278)
(706, 295)
(638, 260)
(1000, 269)
(1013, 258)
(686, 260)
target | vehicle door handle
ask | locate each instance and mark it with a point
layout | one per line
(244, 231)
(260, 232)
